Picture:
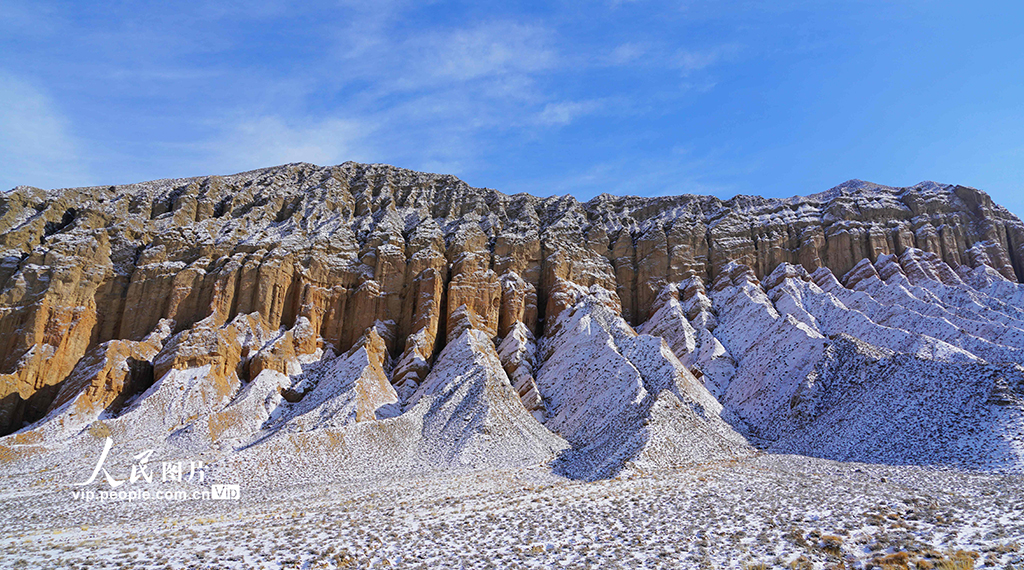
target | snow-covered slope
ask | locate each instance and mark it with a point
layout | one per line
(866, 404)
(617, 396)
(903, 361)
(465, 415)
(354, 387)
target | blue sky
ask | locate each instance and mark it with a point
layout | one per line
(628, 97)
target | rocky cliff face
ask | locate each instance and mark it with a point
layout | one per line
(301, 299)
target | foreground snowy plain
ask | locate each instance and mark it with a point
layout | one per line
(764, 511)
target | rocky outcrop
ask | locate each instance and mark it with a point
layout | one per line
(104, 382)
(219, 304)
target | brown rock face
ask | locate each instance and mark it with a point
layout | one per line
(108, 377)
(248, 272)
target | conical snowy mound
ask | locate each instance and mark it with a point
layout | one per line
(470, 413)
(620, 397)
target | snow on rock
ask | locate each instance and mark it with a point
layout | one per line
(990, 282)
(470, 413)
(883, 293)
(686, 326)
(253, 281)
(774, 352)
(926, 272)
(871, 405)
(669, 322)
(465, 415)
(350, 388)
(286, 353)
(794, 293)
(620, 398)
(518, 352)
(196, 377)
(326, 390)
(106, 381)
(884, 369)
(249, 411)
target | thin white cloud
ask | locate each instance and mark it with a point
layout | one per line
(627, 53)
(564, 112)
(702, 86)
(690, 61)
(373, 84)
(496, 58)
(29, 18)
(271, 140)
(432, 97)
(666, 174)
(484, 51)
(36, 144)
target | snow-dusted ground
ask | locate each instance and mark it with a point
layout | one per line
(775, 510)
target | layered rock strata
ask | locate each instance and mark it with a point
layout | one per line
(235, 311)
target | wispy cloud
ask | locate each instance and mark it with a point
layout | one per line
(423, 99)
(564, 112)
(29, 18)
(270, 140)
(36, 144)
(498, 57)
(678, 171)
(690, 61)
(437, 97)
(488, 50)
(628, 52)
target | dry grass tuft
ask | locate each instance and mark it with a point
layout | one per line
(894, 561)
(832, 544)
(959, 560)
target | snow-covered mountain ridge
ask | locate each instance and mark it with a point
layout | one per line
(359, 318)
